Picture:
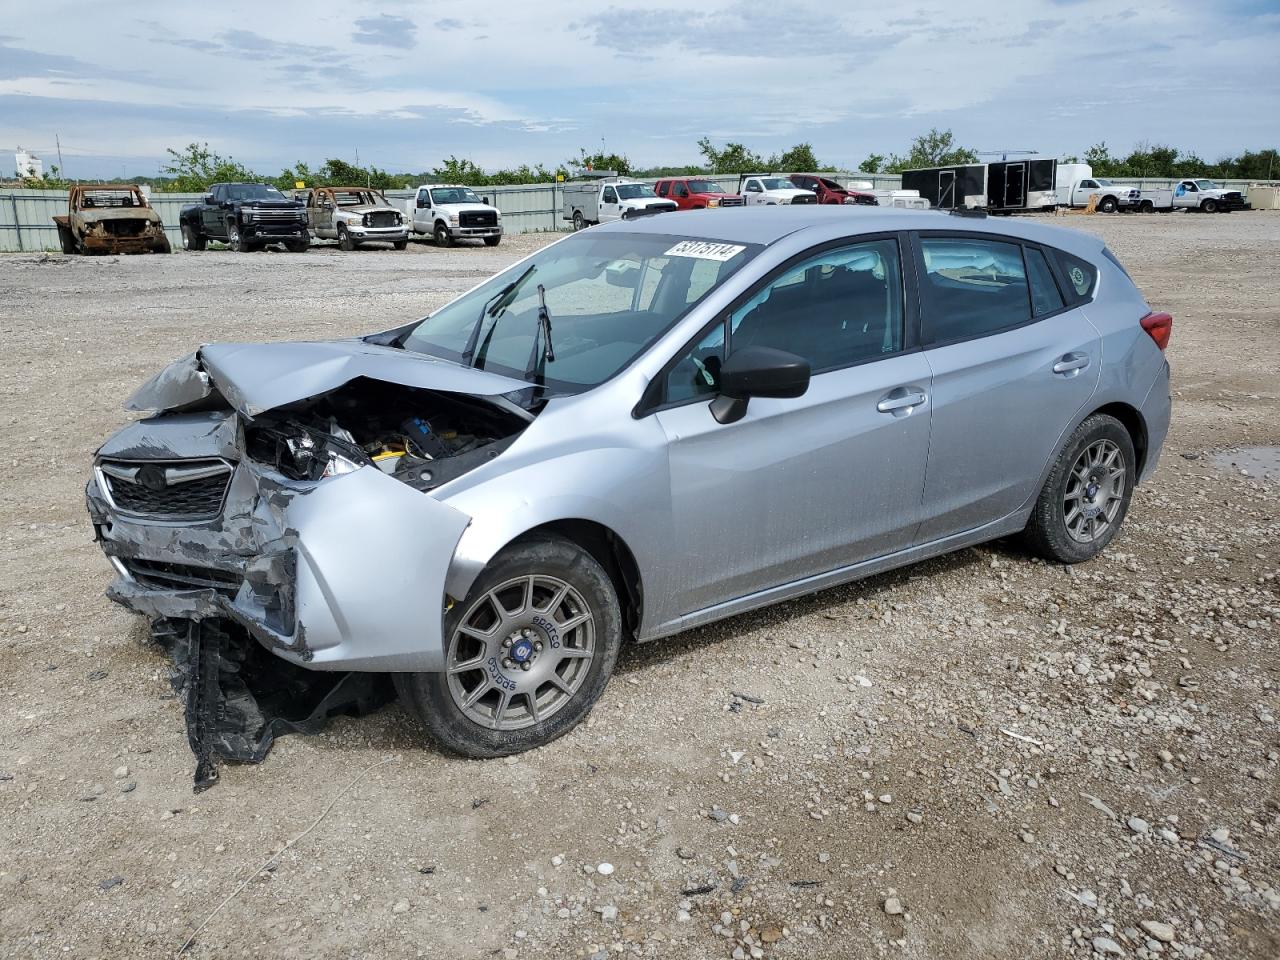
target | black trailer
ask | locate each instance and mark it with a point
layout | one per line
(950, 188)
(1015, 185)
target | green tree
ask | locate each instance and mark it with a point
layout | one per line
(600, 161)
(196, 166)
(799, 159)
(872, 164)
(732, 158)
(51, 179)
(1099, 158)
(937, 148)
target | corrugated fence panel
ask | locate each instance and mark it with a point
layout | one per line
(26, 216)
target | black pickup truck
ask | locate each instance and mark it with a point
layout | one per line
(245, 216)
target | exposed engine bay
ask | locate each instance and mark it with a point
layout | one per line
(419, 437)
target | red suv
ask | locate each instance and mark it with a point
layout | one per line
(829, 191)
(695, 193)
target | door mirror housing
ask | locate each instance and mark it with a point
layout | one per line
(209, 200)
(758, 372)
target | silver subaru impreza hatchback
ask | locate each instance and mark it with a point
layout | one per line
(643, 427)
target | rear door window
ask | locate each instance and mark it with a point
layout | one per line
(971, 287)
(1045, 296)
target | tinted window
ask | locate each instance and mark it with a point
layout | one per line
(839, 307)
(610, 196)
(1081, 277)
(679, 190)
(1045, 297)
(662, 188)
(972, 288)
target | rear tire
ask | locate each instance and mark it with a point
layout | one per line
(579, 222)
(496, 708)
(192, 240)
(1087, 494)
(66, 239)
(1146, 206)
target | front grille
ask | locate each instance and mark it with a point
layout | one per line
(277, 216)
(168, 490)
(381, 218)
(160, 575)
(123, 228)
(731, 201)
(478, 218)
(804, 199)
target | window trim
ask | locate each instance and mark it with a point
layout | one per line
(650, 401)
(917, 250)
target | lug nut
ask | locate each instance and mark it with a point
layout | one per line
(525, 633)
(526, 665)
(506, 663)
(506, 643)
(537, 645)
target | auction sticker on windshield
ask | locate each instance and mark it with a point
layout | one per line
(703, 250)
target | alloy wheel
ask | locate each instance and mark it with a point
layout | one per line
(521, 652)
(1095, 491)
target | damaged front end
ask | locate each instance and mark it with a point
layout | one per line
(307, 527)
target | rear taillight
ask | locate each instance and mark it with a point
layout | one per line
(1160, 326)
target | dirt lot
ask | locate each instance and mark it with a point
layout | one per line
(980, 757)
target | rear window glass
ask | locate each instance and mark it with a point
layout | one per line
(1045, 297)
(1081, 277)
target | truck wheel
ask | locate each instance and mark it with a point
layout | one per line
(192, 240)
(297, 246)
(579, 222)
(492, 241)
(1107, 205)
(399, 244)
(527, 653)
(443, 237)
(1209, 206)
(234, 242)
(67, 239)
(164, 246)
(344, 239)
(1146, 206)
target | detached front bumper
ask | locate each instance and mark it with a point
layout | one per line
(345, 573)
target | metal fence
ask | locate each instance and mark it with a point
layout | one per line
(26, 216)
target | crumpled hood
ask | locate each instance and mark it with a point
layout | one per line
(368, 208)
(256, 377)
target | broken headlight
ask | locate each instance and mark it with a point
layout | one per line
(302, 452)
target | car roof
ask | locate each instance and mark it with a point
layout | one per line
(769, 224)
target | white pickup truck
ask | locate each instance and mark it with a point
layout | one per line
(1111, 196)
(449, 212)
(763, 189)
(612, 198)
(1207, 197)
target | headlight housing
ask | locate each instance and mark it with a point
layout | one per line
(453, 219)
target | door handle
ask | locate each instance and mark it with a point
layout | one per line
(901, 400)
(1071, 363)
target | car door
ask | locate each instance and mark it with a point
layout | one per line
(421, 211)
(800, 487)
(609, 207)
(752, 191)
(1013, 364)
(680, 194)
(211, 213)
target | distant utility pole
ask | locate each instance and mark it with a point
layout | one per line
(61, 169)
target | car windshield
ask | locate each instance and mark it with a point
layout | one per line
(633, 191)
(253, 191)
(443, 195)
(1206, 185)
(360, 198)
(609, 296)
(704, 186)
(777, 183)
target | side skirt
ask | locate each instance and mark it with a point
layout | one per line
(856, 571)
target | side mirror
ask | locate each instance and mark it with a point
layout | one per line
(758, 372)
(209, 200)
(487, 202)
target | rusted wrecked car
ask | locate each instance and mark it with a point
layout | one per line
(110, 218)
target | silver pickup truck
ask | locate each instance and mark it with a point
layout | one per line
(355, 215)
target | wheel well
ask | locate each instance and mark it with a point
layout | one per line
(612, 553)
(1132, 421)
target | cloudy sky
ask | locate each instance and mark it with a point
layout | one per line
(409, 83)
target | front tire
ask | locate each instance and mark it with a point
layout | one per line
(1209, 206)
(442, 236)
(297, 246)
(492, 241)
(1107, 205)
(399, 244)
(527, 653)
(235, 242)
(1087, 494)
(344, 239)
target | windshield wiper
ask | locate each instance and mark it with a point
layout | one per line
(538, 362)
(492, 308)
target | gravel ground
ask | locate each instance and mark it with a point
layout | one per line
(983, 756)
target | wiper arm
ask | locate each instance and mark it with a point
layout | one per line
(538, 362)
(491, 308)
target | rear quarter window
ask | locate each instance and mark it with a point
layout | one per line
(1080, 276)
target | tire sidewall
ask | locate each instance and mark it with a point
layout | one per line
(1051, 514)
(428, 693)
